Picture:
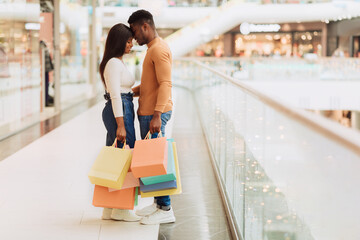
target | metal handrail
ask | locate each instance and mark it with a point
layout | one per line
(331, 130)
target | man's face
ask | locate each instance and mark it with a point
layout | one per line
(138, 34)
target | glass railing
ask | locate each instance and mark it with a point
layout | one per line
(286, 174)
(288, 69)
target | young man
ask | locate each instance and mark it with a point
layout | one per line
(155, 105)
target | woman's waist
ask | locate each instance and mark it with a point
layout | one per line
(127, 95)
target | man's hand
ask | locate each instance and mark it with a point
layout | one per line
(155, 124)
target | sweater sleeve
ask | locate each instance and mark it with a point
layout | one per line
(162, 63)
(113, 73)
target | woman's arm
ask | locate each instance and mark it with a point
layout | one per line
(112, 74)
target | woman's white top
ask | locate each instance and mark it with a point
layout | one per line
(118, 80)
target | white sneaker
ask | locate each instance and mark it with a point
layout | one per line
(147, 210)
(124, 215)
(106, 214)
(160, 216)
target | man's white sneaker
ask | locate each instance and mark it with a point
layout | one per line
(160, 216)
(124, 215)
(106, 214)
(147, 210)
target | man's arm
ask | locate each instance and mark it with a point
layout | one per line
(162, 63)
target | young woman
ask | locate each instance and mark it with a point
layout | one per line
(118, 114)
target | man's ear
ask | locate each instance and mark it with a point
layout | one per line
(145, 26)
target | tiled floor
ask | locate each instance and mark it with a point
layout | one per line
(45, 192)
(16, 142)
(199, 210)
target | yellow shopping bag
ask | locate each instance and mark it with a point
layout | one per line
(166, 192)
(111, 166)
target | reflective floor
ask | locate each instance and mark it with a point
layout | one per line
(45, 194)
(16, 142)
(199, 210)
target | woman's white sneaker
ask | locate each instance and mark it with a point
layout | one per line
(147, 210)
(124, 215)
(158, 217)
(106, 214)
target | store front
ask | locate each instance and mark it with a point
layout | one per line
(42, 73)
(266, 40)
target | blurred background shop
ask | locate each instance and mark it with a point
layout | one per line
(267, 40)
(77, 33)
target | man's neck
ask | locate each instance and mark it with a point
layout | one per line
(152, 37)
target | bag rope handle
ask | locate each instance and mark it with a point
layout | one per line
(115, 144)
(148, 135)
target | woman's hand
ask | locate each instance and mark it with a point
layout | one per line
(136, 91)
(121, 131)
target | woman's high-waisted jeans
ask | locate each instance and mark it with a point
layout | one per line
(129, 117)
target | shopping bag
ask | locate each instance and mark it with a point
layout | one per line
(149, 157)
(136, 196)
(122, 199)
(129, 182)
(171, 172)
(157, 186)
(110, 167)
(166, 192)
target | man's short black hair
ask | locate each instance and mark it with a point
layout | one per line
(141, 17)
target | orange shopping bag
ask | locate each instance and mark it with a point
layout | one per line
(150, 157)
(122, 199)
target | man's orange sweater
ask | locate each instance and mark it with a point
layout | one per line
(155, 88)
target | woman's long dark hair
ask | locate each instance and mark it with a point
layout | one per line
(115, 45)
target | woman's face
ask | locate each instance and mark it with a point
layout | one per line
(129, 45)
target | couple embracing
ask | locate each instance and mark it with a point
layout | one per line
(155, 105)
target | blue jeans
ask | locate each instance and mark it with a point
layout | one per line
(144, 129)
(129, 117)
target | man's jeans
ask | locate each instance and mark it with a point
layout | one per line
(129, 117)
(144, 129)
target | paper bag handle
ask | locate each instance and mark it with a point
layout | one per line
(115, 143)
(148, 135)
